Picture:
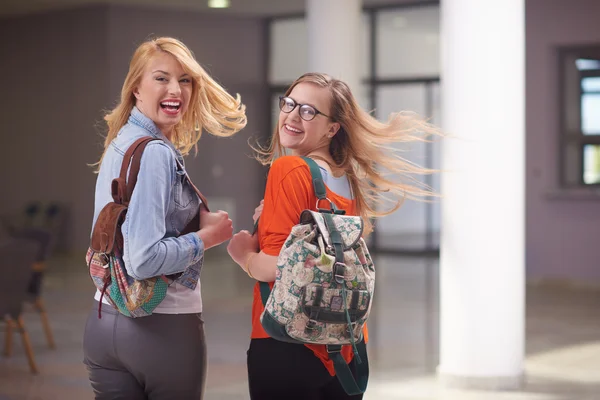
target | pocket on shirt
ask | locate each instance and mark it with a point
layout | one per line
(183, 193)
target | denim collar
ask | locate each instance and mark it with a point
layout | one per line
(138, 118)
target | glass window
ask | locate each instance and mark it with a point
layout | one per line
(580, 115)
(590, 105)
(590, 113)
(585, 64)
(289, 50)
(591, 84)
(408, 43)
(591, 164)
(408, 227)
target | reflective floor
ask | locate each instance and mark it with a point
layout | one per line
(563, 337)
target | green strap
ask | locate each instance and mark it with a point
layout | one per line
(351, 385)
(317, 178)
(265, 291)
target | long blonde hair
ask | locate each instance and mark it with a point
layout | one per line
(211, 108)
(362, 148)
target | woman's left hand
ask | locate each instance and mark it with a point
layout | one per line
(241, 246)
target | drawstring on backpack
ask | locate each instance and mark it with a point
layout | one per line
(101, 297)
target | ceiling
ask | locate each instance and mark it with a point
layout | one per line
(241, 7)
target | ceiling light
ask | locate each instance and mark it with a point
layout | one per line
(218, 3)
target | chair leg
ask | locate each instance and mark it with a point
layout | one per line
(39, 304)
(8, 337)
(27, 345)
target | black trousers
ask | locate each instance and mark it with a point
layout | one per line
(158, 357)
(279, 370)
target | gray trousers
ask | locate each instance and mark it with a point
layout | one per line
(161, 356)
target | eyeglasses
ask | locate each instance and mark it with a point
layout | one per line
(307, 112)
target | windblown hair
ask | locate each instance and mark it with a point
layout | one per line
(364, 149)
(211, 108)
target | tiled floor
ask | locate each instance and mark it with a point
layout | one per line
(563, 338)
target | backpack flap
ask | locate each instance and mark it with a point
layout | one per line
(107, 228)
(349, 227)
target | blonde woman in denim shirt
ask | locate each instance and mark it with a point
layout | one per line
(168, 96)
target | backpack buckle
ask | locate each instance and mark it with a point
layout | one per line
(310, 326)
(103, 259)
(339, 270)
(331, 205)
(334, 348)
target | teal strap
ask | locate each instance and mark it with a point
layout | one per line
(336, 236)
(351, 385)
(317, 178)
(339, 271)
(319, 186)
(265, 291)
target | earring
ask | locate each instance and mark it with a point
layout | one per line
(196, 125)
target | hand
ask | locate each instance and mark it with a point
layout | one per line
(258, 211)
(215, 228)
(241, 246)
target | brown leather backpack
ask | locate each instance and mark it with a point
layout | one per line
(131, 297)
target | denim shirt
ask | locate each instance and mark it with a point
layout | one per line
(162, 204)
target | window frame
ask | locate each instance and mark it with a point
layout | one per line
(569, 138)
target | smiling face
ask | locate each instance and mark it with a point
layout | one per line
(301, 136)
(164, 92)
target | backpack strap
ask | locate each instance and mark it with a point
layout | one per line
(351, 385)
(202, 198)
(317, 178)
(122, 187)
(319, 187)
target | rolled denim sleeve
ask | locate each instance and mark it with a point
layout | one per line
(197, 245)
(147, 253)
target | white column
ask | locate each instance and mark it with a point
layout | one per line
(482, 242)
(334, 39)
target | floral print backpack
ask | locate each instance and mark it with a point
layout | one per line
(324, 286)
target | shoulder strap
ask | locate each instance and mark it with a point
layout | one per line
(202, 198)
(317, 178)
(122, 187)
(319, 186)
(136, 160)
(352, 386)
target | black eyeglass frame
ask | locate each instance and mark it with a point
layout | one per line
(282, 102)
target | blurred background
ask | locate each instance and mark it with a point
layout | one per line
(63, 63)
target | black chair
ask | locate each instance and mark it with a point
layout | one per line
(16, 257)
(42, 225)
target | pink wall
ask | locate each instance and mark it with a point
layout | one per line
(563, 235)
